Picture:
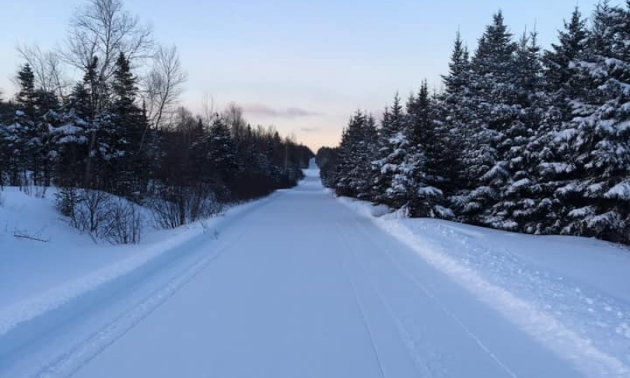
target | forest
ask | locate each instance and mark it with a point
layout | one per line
(117, 136)
(519, 139)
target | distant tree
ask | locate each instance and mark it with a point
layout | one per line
(222, 157)
(26, 97)
(48, 69)
(355, 155)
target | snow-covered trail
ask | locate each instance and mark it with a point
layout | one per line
(298, 287)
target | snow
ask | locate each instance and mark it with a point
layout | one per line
(557, 167)
(571, 294)
(429, 191)
(66, 264)
(443, 212)
(582, 212)
(494, 172)
(522, 183)
(620, 191)
(300, 285)
(565, 134)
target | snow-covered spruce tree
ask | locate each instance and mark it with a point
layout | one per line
(392, 181)
(355, 156)
(516, 209)
(426, 159)
(367, 152)
(21, 128)
(27, 137)
(599, 133)
(559, 74)
(351, 137)
(70, 139)
(550, 147)
(455, 114)
(493, 100)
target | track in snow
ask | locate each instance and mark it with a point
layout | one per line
(299, 287)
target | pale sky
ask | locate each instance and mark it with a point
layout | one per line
(303, 66)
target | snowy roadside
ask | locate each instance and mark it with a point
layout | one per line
(38, 276)
(571, 294)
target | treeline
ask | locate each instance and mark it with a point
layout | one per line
(520, 139)
(119, 129)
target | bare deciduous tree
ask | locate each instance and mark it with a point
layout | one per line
(164, 85)
(208, 109)
(233, 117)
(104, 29)
(48, 69)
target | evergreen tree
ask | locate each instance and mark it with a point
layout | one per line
(221, 156)
(24, 137)
(15, 137)
(391, 181)
(129, 121)
(554, 168)
(26, 97)
(366, 155)
(349, 137)
(516, 209)
(90, 106)
(456, 82)
(598, 135)
(71, 139)
(455, 115)
(516, 141)
(426, 160)
(493, 100)
(356, 153)
(558, 70)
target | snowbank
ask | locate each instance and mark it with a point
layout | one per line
(571, 294)
(37, 276)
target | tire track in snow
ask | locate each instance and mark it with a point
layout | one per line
(83, 352)
(31, 309)
(542, 326)
(66, 364)
(402, 332)
(361, 307)
(440, 305)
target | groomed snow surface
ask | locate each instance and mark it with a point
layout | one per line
(303, 284)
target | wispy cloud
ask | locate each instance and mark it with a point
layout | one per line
(309, 129)
(266, 111)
